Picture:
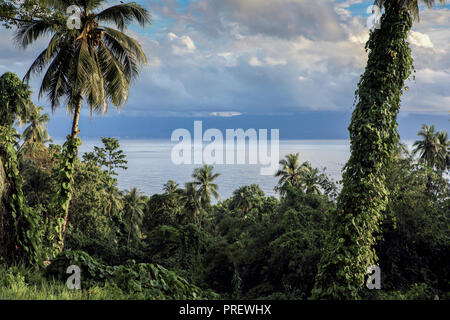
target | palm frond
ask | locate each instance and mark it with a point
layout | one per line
(124, 14)
(127, 42)
(115, 81)
(43, 59)
(124, 55)
(411, 5)
(55, 81)
(58, 4)
(29, 32)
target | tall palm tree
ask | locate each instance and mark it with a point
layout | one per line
(36, 132)
(134, 205)
(203, 179)
(373, 136)
(95, 63)
(290, 172)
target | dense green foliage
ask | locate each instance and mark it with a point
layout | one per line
(248, 246)
(18, 222)
(144, 281)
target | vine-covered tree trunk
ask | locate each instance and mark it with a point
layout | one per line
(6, 223)
(373, 133)
(64, 195)
(20, 240)
(19, 236)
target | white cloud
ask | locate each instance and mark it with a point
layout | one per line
(428, 75)
(181, 45)
(225, 114)
(420, 39)
(255, 62)
(275, 61)
(342, 8)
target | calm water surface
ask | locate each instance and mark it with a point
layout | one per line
(150, 165)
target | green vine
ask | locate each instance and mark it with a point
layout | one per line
(25, 219)
(60, 204)
(373, 133)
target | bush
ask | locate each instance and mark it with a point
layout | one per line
(142, 281)
(418, 291)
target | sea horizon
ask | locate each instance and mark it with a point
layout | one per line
(150, 165)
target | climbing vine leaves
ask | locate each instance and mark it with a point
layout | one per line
(25, 219)
(60, 204)
(373, 134)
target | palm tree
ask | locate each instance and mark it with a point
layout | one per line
(170, 187)
(203, 179)
(290, 172)
(241, 200)
(428, 147)
(310, 180)
(444, 151)
(94, 63)
(36, 132)
(433, 149)
(134, 205)
(373, 137)
(114, 201)
(193, 202)
(247, 197)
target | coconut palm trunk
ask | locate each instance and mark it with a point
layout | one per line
(76, 118)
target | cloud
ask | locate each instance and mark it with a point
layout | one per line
(420, 39)
(275, 61)
(257, 55)
(277, 18)
(255, 62)
(181, 45)
(343, 8)
(225, 114)
(262, 56)
(433, 76)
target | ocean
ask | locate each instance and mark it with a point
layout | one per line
(150, 165)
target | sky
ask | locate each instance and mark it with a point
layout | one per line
(291, 65)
